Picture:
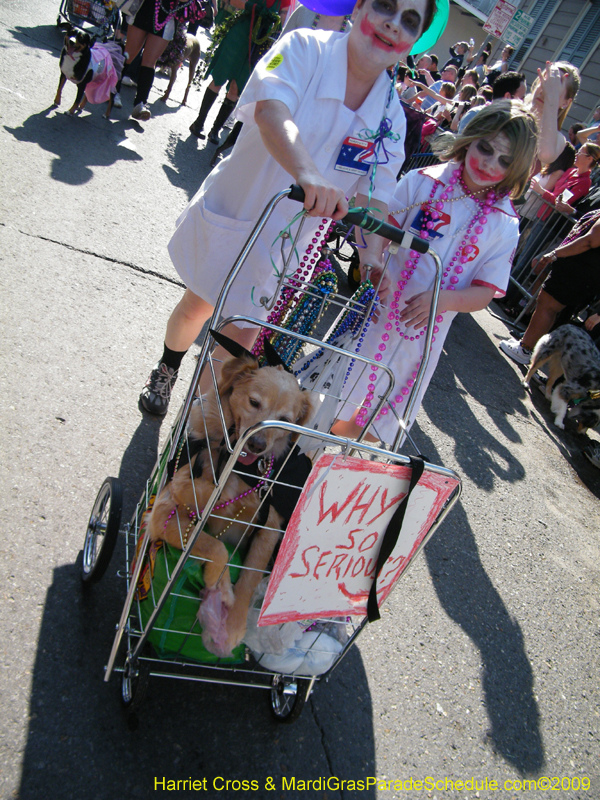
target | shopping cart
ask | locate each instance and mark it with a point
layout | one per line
(101, 15)
(307, 611)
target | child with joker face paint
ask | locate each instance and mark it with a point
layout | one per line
(463, 208)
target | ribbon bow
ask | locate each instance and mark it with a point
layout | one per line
(377, 138)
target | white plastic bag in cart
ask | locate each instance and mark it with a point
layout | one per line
(290, 648)
(314, 654)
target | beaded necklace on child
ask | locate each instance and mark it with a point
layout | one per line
(432, 210)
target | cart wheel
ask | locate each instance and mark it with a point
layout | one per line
(134, 685)
(102, 531)
(288, 696)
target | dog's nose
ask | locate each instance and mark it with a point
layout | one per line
(256, 444)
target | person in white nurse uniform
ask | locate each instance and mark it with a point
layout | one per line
(307, 102)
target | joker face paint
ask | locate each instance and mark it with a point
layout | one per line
(487, 161)
(388, 28)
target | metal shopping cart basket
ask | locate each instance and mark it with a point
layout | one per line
(335, 564)
(102, 15)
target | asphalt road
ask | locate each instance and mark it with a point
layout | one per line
(485, 662)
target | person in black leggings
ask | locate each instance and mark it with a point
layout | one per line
(152, 28)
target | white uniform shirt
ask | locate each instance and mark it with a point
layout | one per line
(306, 70)
(488, 266)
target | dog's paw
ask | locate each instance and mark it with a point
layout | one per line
(235, 626)
(559, 424)
(525, 383)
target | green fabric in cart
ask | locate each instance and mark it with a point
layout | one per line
(170, 634)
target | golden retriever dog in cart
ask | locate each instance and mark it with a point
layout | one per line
(248, 394)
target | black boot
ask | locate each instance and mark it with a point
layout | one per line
(224, 113)
(207, 101)
(145, 81)
(227, 144)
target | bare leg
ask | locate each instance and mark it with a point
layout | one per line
(232, 92)
(244, 336)
(348, 429)
(186, 321)
(544, 317)
(134, 42)
(153, 49)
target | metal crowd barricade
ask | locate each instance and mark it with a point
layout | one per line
(537, 236)
(422, 158)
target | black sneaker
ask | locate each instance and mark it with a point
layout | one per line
(156, 393)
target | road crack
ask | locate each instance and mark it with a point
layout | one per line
(102, 256)
(315, 716)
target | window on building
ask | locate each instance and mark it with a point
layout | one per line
(584, 38)
(541, 11)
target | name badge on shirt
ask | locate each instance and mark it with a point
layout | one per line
(434, 232)
(353, 155)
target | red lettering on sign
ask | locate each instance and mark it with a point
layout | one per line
(337, 562)
(333, 508)
(351, 539)
(360, 506)
(305, 562)
(320, 562)
(358, 566)
(370, 570)
(364, 546)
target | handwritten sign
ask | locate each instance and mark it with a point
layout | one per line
(499, 17)
(326, 562)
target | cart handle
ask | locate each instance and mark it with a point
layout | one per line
(369, 223)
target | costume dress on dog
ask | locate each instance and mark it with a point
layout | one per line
(107, 63)
(488, 265)
(306, 70)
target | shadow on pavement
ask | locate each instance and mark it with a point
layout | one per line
(468, 596)
(459, 578)
(79, 745)
(78, 143)
(471, 361)
(78, 741)
(188, 161)
(47, 37)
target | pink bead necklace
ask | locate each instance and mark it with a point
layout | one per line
(431, 209)
(194, 516)
(170, 12)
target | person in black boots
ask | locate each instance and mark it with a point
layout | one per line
(152, 27)
(242, 44)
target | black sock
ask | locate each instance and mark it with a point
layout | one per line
(144, 84)
(172, 358)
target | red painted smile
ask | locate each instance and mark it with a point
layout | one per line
(379, 40)
(483, 176)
